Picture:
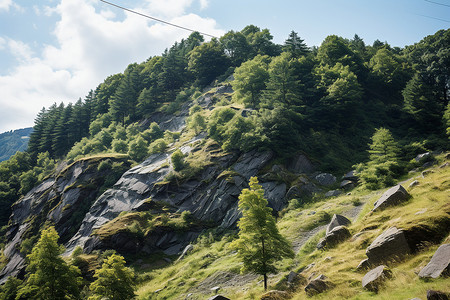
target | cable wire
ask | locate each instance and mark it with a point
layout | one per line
(438, 3)
(156, 19)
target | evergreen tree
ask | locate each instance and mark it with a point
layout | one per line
(49, 276)
(113, 280)
(295, 45)
(260, 245)
(383, 146)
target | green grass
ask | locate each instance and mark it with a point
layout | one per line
(212, 259)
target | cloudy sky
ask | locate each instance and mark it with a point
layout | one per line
(57, 50)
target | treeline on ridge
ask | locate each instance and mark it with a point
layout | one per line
(325, 101)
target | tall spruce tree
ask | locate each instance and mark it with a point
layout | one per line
(260, 245)
(49, 276)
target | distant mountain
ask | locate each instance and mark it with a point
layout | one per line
(13, 141)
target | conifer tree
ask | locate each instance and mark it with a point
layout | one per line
(260, 245)
(49, 276)
(295, 45)
(114, 280)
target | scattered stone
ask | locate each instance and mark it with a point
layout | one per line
(390, 245)
(426, 173)
(363, 265)
(312, 213)
(332, 193)
(436, 295)
(351, 176)
(325, 179)
(394, 196)
(291, 276)
(413, 184)
(301, 164)
(347, 184)
(275, 295)
(186, 250)
(423, 156)
(421, 212)
(439, 264)
(337, 220)
(318, 285)
(375, 277)
(444, 165)
(218, 297)
(215, 289)
(336, 236)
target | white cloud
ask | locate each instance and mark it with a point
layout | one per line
(204, 4)
(91, 45)
(5, 4)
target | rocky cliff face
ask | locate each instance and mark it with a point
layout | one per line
(71, 198)
(62, 199)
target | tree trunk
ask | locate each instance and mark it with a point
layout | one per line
(265, 282)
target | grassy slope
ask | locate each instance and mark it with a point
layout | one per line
(213, 263)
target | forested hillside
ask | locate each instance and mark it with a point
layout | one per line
(206, 116)
(13, 141)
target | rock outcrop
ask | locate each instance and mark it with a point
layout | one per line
(439, 263)
(318, 285)
(63, 199)
(391, 245)
(375, 277)
(337, 220)
(394, 196)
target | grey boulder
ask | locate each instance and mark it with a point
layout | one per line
(325, 179)
(394, 196)
(318, 285)
(337, 220)
(391, 245)
(375, 277)
(439, 263)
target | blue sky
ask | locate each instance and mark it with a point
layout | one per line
(57, 50)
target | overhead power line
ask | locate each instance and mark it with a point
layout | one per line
(438, 3)
(434, 18)
(156, 19)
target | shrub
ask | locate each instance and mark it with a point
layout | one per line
(120, 146)
(177, 159)
(158, 146)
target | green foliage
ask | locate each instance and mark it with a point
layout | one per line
(138, 149)
(384, 165)
(48, 275)
(158, 146)
(177, 159)
(120, 146)
(260, 245)
(207, 61)
(250, 80)
(295, 45)
(383, 146)
(9, 290)
(113, 280)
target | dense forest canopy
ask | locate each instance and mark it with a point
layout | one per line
(326, 101)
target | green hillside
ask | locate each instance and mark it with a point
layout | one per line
(157, 158)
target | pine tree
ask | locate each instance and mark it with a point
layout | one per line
(114, 280)
(295, 45)
(260, 245)
(49, 276)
